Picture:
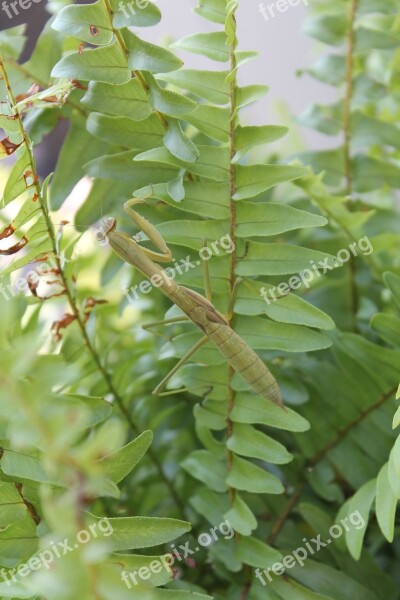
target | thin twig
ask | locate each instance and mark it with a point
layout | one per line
(348, 97)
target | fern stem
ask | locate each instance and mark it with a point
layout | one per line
(347, 147)
(232, 267)
(348, 97)
(232, 233)
(320, 455)
(71, 299)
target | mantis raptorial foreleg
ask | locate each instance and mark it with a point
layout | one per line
(197, 308)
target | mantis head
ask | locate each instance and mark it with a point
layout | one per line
(109, 225)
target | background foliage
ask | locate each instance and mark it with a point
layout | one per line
(81, 435)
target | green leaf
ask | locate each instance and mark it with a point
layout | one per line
(361, 502)
(22, 466)
(247, 441)
(12, 507)
(135, 562)
(252, 409)
(210, 505)
(386, 504)
(126, 100)
(212, 121)
(142, 15)
(212, 161)
(368, 131)
(16, 183)
(212, 45)
(179, 144)
(202, 465)
(121, 167)
(215, 205)
(130, 533)
(106, 64)
(9, 123)
(247, 138)
(388, 327)
(167, 102)
(18, 541)
(248, 477)
(89, 23)
(248, 95)
(121, 462)
(241, 517)
(330, 29)
(255, 553)
(281, 259)
(192, 234)
(252, 180)
(288, 589)
(370, 174)
(257, 298)
(144, 56)
(264, 219)
(213, 10)
(140, 135)
(210, 85)
(329, 69)
(262, 334)
(393, 283)
(42, 246)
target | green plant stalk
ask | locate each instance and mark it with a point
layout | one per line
(348, 97)
(232, 232)
(347, 148)
(232, 275)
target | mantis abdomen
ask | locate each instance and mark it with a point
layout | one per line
(240, 356)
(245, 361)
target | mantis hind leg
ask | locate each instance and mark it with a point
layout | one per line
(232, 299)
(207, 278)
(171, 321)
(162, 384)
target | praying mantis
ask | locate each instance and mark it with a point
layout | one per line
(196, 308)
